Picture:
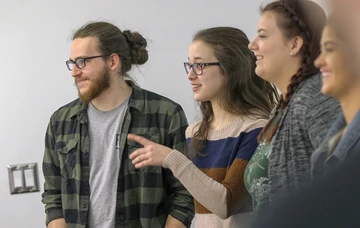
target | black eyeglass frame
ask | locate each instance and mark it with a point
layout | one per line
(189, 66)
(82, 59)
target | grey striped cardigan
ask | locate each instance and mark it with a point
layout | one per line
(304, 125)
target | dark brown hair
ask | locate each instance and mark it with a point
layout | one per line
(297, 18)
(244, 92)
(129, 46)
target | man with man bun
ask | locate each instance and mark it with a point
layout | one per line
(89, 180)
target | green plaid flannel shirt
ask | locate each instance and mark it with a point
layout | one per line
(145, 197)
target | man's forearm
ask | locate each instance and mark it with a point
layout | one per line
(57, 223)
(172, 222)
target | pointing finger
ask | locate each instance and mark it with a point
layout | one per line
(139, 139)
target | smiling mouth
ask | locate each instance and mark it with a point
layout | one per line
(325, 75)
(80, 82)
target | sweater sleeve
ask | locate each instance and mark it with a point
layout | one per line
(222, 199)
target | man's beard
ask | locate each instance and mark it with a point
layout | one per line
(96, 87)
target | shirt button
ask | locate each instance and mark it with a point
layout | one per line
(84, 206)
(85, 179)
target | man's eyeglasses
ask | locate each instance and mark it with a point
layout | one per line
(81, 62)
(197, 67)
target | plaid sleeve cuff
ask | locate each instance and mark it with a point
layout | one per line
(185, 217)
(52, 214)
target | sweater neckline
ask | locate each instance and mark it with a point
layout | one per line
(225, 130)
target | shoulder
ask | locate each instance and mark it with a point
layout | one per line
(252, 123)
(312, 83)
(251, 128)
(67, 111)
(192, 128)
(309, 95)
(154, 101)
(152, 96)
(309, 88)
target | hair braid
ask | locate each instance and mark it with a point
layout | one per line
(294, 11)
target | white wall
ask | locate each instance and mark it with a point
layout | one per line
(34, 44)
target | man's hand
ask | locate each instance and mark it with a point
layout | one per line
(172, 222)
(152, 154)
(57, 223)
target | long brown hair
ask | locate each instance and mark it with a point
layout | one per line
(244, 93)
(297, 18)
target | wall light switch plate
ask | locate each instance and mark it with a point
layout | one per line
(23, 178)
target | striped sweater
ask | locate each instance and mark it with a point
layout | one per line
(216, 180)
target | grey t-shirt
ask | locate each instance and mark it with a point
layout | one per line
(104, 134)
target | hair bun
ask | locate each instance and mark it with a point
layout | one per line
(137, 44)
(289, 3)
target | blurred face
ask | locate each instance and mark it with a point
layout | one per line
(209, 84)
(271, 48)
(332, 62)
(346, 22)
(92, 80)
